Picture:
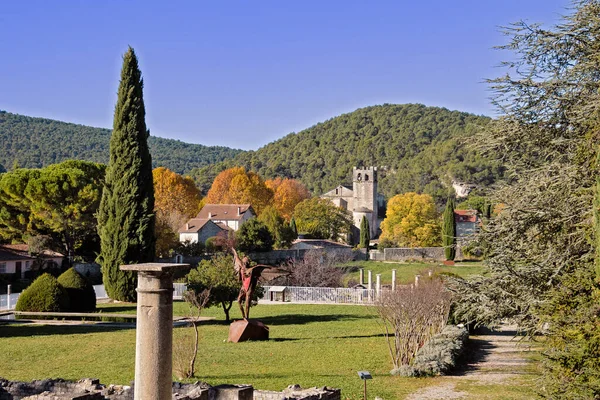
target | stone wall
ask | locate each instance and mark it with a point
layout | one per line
(91, 389)
(412, 254)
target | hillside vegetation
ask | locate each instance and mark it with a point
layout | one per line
(38, 142)
(417, 148)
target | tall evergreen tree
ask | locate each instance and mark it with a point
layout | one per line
(293, 227)
(449, 230)
(365, 233)
(125, 216)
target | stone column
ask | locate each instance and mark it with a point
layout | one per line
(8, 297)
(417, 279)
(154, 330)
(369, 280)
(362, 276)
(378, 285)
(393, 280)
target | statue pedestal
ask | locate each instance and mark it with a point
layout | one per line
(247, 329)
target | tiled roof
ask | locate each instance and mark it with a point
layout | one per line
(194, 225)
(465, 215)
(15, 252)
(224, 211)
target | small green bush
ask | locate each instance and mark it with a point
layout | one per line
(45, 294)
(81, 293)
(439, 355)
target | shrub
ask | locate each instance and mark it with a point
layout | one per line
(81, 293)
(44, 295)
(253, 235)
(439, 355)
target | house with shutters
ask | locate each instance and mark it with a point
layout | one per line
(214, 219)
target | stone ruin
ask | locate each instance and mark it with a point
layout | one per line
(92, 389)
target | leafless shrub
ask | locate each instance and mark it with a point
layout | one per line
(411, 316)
(318, 269)
(185, 345)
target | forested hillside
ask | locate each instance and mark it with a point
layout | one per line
(37, 142)
(416, 148)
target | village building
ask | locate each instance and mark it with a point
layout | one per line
(213, 220)
(467, 223)
(362, 199)
(15, 259)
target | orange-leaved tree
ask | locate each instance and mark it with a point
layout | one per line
(287, 194)
(412, 220)
(176, 199)
(236, 186)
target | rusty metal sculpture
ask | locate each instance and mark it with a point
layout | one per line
(249, 278)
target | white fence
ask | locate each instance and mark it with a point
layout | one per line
(326, 295)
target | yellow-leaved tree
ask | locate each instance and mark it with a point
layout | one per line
(236, 186)
(176, 199)
(412, 220)
(287, 194)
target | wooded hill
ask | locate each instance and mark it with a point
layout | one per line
(416, 148)
(38, 142)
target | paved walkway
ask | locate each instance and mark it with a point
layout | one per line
(498, 359)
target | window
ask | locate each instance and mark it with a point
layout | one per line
(27, 264)
(366, 177)
(2, 267)
(178, 259)
(359, 177)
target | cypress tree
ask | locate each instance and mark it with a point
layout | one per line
(449, 230)
(125, 215)
(365, 233)
(293, 227)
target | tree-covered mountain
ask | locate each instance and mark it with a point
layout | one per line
(416, 148)
(38, 142)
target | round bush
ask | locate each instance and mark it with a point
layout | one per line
(45, 294)
(81, 293)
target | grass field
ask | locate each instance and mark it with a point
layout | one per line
(312, 345)
(405, 272)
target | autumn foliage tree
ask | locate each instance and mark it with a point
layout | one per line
(322, 219)
(287, 193)
(411, 220)
(176, 199)
(236, 186)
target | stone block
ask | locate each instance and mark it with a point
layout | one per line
(231, 392)
(248, 329)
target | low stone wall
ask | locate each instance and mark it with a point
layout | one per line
(413, 254)
(91, 389)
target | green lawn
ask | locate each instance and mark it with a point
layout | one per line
(405, 272)
(312, 345)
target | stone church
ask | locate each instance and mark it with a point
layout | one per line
(361, 199)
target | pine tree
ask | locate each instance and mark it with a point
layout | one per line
(449, 231)
(293, 227)
(365, 233)
(125, 216)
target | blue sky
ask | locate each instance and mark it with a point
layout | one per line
(242, 74)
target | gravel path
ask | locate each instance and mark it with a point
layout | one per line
(496, 359)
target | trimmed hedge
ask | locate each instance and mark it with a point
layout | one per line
(81, 293)
(439, 355)
(45, 294)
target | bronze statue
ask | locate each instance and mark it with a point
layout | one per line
(249, 278)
